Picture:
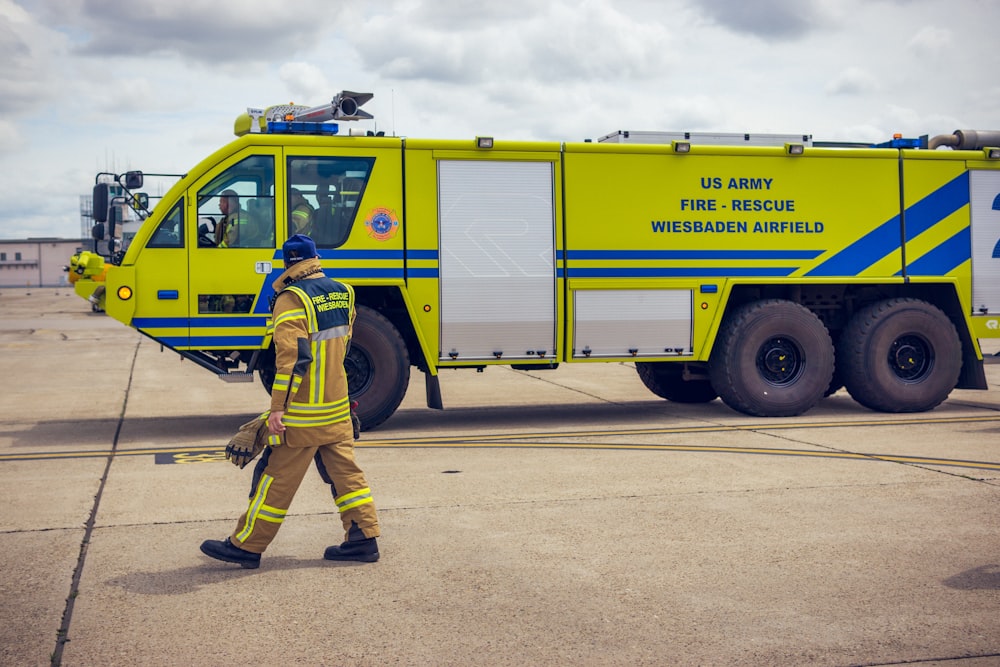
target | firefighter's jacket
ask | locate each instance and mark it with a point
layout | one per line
(312, 319)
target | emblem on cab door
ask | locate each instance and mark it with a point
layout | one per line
(382, 224)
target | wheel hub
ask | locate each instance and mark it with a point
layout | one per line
(779, 361)
(360, 372)
(910, 358)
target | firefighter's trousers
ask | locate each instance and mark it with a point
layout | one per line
(277, 478)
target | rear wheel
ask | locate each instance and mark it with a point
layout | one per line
(900, 355)
(378, 367)
(772, 358)
(666, 380)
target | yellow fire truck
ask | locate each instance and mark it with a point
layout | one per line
(766, 270)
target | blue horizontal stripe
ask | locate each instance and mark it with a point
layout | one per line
(197, 322)
(160, 322)
(422, 273)
(172, 341)
(228, 321)
(347, 273)
(421, 254)
(677, 272)
(945, 258)
(225, 341)
(210, 341)
(691, 254)
(360, 254)
(337, 253)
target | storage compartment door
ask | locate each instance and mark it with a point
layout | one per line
(497, 234)
(631, 323)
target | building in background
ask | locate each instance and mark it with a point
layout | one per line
(36, 262)
(40, 262)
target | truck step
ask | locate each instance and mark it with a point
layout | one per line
(236, 377)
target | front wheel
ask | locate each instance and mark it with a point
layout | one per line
(900, 355)
(265, 368)
(772, 358)
(378, 367)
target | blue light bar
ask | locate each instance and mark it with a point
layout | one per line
(301, 127)
(899, 142)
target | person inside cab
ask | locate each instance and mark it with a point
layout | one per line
(234, 224)
(330, 226)
(302, 213)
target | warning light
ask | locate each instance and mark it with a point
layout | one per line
(124, 293)
(427, 307)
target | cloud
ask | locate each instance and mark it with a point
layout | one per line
(553, 42)
(11, 140)
(775, 19)
(852, 81)
(930, 41)
(221, 32)
(306, 82)
(29, 50)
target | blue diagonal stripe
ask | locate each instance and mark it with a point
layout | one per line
(885, 238)
(945, 257)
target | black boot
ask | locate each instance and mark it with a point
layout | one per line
(227, 551)
(357, 547)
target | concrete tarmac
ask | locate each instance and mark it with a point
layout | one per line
(567, 517)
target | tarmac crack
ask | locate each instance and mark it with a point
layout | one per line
(62, 634)
(529, 374)
(875, 457)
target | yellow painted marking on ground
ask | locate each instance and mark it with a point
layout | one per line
(714, 428)
(542, 440)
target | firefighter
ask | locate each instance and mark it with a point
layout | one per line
(302, 213)
(310, 416)
(233, 225)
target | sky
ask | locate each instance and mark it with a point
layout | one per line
(114, 85)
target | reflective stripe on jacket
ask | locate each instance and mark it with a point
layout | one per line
(312, 320)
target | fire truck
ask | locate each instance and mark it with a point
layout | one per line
(765, 270)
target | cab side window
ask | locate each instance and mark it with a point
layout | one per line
(236, 209)
(323, 196)
(170, 232)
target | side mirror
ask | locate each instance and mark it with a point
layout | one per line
(114, 220)
(140, 202)
(102, 196)
(133, 180)
(97, 231)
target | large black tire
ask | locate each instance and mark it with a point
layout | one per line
(837, 381)
(772, 358)
(378, 367)
(900, 355)
(665, 379)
